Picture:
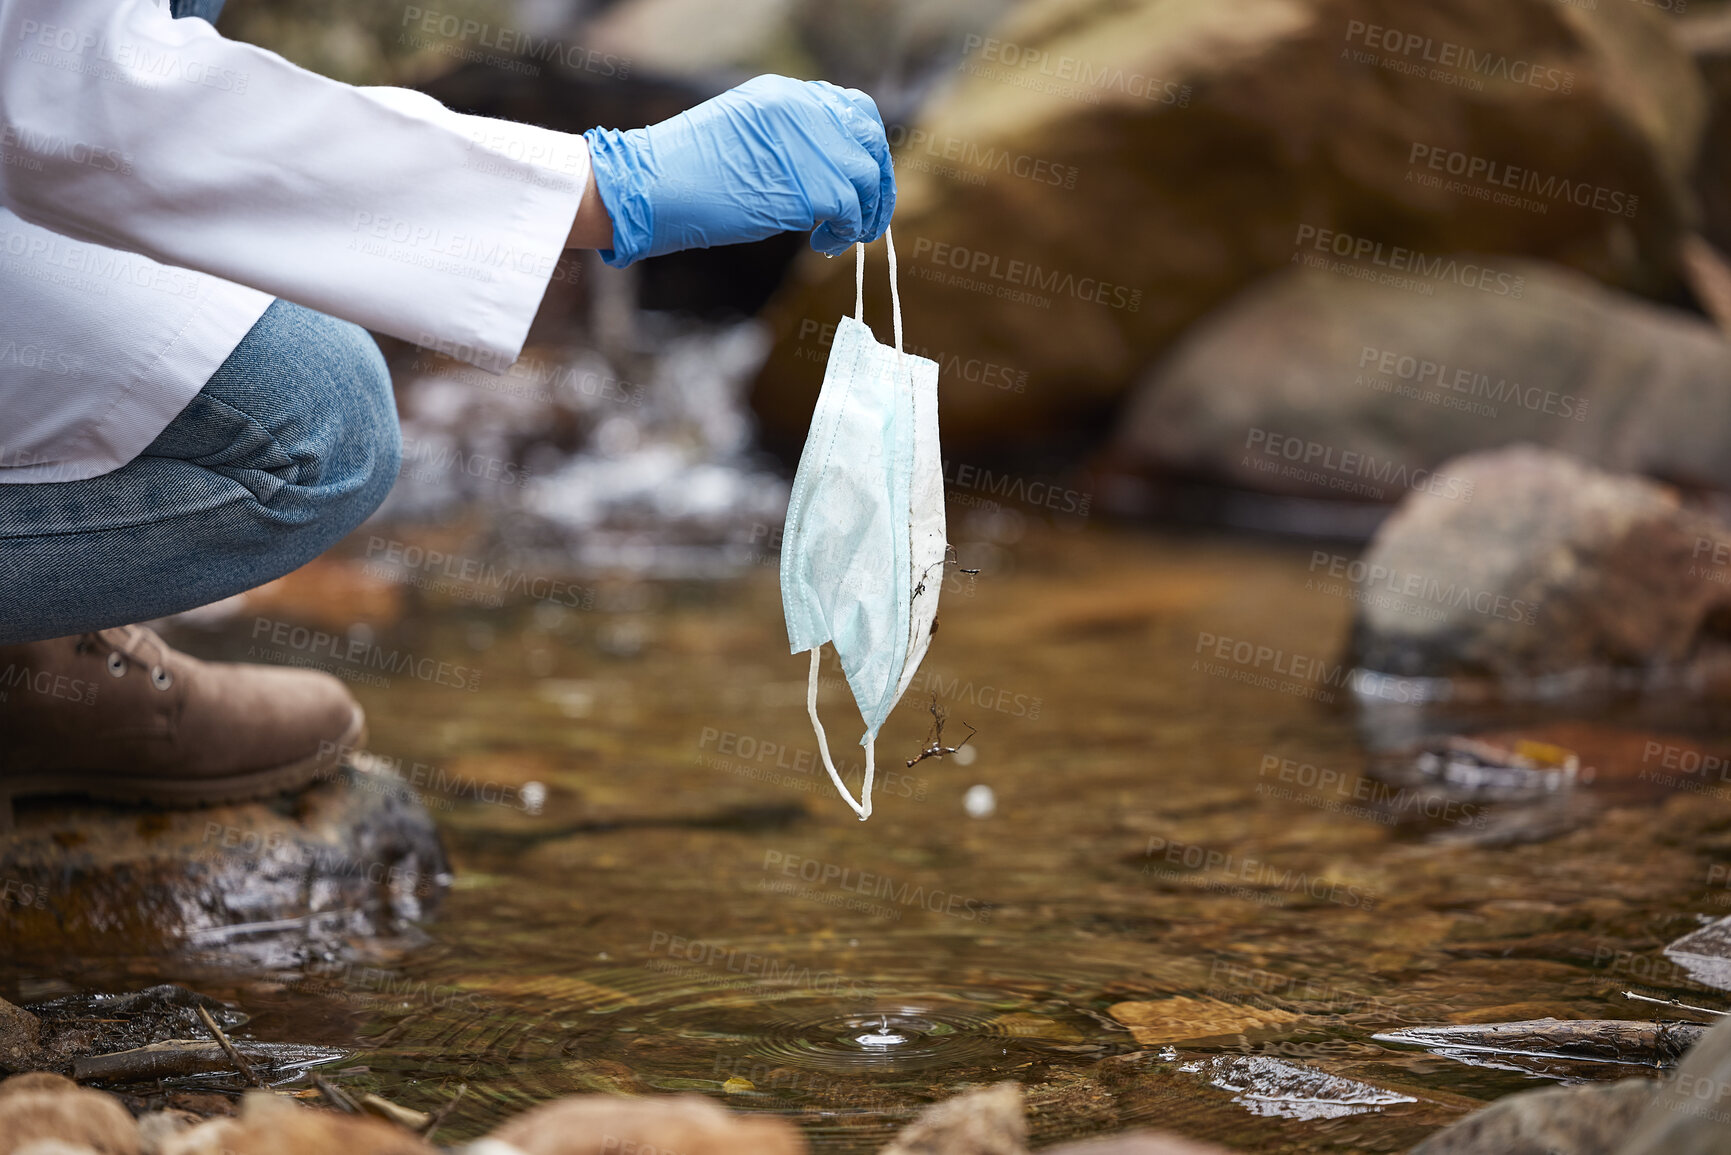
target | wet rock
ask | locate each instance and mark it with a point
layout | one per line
(688, 1124)
(272, 1125)
(357, 855)
(1209, 136)
(1553, 576)
(1136, 1143)
(1582, 1120)
(76, 1026)
(41, 1106)
(20, 1038)
(1688, 1116)
(987, 1121)
(1705, 954)
(1404, 382)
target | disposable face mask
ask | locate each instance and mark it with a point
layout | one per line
(862, 555)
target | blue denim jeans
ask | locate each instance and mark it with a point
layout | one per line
(208, 9)
(289, 446)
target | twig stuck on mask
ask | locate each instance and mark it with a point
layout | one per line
(935, 747)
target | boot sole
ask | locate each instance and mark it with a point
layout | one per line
(180, 793)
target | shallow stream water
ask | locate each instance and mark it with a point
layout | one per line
(657, 890)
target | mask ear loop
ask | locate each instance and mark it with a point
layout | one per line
(863, 808)
(895, 289)
(895, 286)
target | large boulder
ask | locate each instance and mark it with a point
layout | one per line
(890, 46)
(1707, 37)
(357, 854)
(1688, 1115)
(1552, 570)
(1586, 1120)
(1317, 385)
(1681, 1115)
(1101, 173)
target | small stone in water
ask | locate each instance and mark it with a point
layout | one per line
(980, 802)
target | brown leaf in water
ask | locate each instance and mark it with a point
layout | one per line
(1179, 1018)
(1022, 1025)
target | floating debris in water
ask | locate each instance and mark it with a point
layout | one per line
(1476, 767)
(1644, 1044)
(1705, 954)
(1277, 1088)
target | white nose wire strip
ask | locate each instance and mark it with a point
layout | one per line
(863, 807)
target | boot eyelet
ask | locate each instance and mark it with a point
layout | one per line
(117, 664)
(161, 678)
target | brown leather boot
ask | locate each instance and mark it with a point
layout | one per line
(119, 715)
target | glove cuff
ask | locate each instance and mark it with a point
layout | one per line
(623, 182)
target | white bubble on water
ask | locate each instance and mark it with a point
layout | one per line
(534, 796)
(980, 802)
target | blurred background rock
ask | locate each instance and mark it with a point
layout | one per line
(1132, 232)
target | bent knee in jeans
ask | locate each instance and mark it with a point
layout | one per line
(291, 444)
(301, 415)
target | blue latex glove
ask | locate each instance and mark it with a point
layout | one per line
(771, 155)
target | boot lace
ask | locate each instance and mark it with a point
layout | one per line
(130, 647)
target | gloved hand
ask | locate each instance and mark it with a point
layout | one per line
(771, 155)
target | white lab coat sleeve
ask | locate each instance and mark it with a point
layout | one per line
(124, 127)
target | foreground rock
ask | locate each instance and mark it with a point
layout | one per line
(1582, 1120)
(44, 1107)
(1316, 385)
(1137, 1143)
(1543, 572)
(687, 1124)
(272, 1125)
(1688, 1115)
(1681, 1115)
(1099, 176)
(988, 1121)
(357, 855)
